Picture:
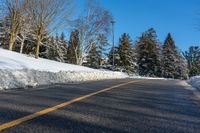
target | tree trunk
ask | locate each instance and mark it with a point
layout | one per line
(79, 60)
(37, 49)
(22, 46)
(11, 43)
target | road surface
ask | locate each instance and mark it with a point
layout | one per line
(112, 106)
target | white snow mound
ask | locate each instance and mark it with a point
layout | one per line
(19, 71)
(195, 82)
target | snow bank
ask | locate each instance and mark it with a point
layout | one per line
(15, 61)
(19, 71)
(195, 82)
(142, 77)
(31, 78)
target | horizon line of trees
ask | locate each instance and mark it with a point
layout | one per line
(148, 57)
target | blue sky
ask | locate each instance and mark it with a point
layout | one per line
(180, 17)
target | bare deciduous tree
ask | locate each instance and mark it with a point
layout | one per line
(25, 32)
(47, 15)
(94, 22)
(14, 10)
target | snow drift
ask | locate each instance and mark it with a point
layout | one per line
(19, 71)
(195, 82)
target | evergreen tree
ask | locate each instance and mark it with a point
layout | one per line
(56, 49)
(4, 36)
(57, 39)
(51, 51)
(74, 49)
(182, 68)
(193, 59)
(97, 53)
(94, 58)
(127, 59)
(62, 40)
(116, 58)
(173, 63)
(2, 33)
(169, 60)
(148, 54)
(102, 46)
(62, 48)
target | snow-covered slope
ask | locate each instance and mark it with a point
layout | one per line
(195, 82)
(18, 70)
(13, 60)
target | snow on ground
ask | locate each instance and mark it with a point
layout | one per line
(195, 82)
(141, 77)
(19, 71)
(16, 61)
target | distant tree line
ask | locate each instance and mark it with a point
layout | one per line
(148, 57)
(193, 60)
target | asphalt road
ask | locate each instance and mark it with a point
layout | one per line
(147, 106)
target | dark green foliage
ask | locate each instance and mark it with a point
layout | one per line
(4, 36)
(169, 60)
(116, 57)
(182, 67)
(102, 45)
(74, 50)
(94, 58)
(124, 57)
(148, 54)
(173, 63)
(62, 40)
(193, 59)
(56, 49)
(127, 59)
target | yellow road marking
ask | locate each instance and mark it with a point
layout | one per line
(48, 110)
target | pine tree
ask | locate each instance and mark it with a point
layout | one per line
(169, 60)
(173, 63)
(182, 68)
(97, 53)
(62, 40)
(74, 49)
(127, 59)
(148, 54)
(94, 58)
(193, 59)
(2, 33)
(51, 52)
(102, 47)
(116, 66)
(56, 49)
(61, 48)
(116, 58)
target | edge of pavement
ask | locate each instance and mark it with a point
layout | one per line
(187, 86)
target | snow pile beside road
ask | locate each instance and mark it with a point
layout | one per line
(15, 61)
(195, 82)
(30, 78)
(141, 77)
(19, 71)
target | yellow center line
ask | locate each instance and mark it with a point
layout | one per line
(51, 109)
